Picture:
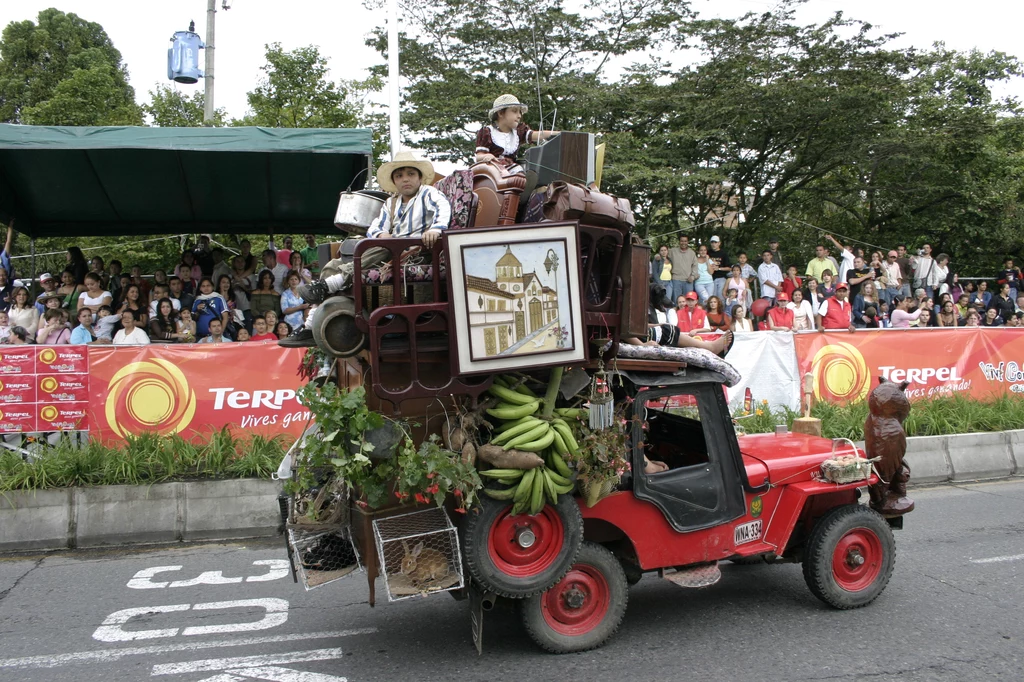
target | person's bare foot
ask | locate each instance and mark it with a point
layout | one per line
(722, 343)
(654, 467)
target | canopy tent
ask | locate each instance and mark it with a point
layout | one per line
(98, 181)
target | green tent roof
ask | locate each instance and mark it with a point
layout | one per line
(86, 181)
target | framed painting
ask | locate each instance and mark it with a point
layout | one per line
(516, 297)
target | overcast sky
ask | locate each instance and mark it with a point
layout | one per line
(140, 30)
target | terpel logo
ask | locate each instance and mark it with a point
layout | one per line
(151, 395)
(48, 356)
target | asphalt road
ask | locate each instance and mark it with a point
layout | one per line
(953, 611)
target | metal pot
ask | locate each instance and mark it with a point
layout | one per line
(357, 210)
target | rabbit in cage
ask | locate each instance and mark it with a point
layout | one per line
(423, 565)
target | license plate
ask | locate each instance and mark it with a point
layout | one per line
(747, 532)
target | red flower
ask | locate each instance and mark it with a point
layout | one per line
(421, 498)
(362, 504)
(433, 489)
(461, 510)
(457, 492)
(432, 474)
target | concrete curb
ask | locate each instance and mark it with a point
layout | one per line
(122, 514)
(965, 457)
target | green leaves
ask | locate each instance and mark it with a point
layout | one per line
(63, 70)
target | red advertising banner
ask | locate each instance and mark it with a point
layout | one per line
(195, 389)
(62, 417)
(17, 388)
(62, 360)
(18, 360)
(18, 418)
(980, 362)
(65, 388)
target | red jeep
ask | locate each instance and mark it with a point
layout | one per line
(752, 498)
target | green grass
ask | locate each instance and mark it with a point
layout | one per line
(143, 460)
(932, 417)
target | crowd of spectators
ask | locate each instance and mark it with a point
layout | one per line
(208, 296)
(840, 287)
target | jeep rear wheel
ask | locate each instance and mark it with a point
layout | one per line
(584, 609)
(520, 555)
(850, 557)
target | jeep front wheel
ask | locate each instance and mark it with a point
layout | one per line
(850, 557)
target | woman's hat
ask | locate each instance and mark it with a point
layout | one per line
(406, 159)
(504, 102)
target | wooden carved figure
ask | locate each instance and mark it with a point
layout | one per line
(884, 437)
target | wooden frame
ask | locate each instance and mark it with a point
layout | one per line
(516, 297)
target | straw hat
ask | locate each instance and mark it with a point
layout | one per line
(504, 102)
(406, 159)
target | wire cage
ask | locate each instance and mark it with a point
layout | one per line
(322, 554)
(418, 553)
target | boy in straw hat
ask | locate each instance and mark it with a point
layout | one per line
(507, 133)
(416, 210)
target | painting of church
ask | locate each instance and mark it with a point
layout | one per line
(515, 311)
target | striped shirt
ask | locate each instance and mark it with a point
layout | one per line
(428, 210)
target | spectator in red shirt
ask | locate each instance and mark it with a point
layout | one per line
(691, 317)
(261, 333)
(780, 316)
(1010, 275)
(791, 282)
(836, 312)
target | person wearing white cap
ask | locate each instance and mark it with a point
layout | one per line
(416, 210)
(507, 133)
(722, 267)
(49, 285)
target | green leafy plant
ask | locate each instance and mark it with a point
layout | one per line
(929, 417)
(142, 460)
(432, 473)
(428, 474)
(601, 459)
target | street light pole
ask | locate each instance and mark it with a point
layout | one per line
(211, 14)
(393, 90)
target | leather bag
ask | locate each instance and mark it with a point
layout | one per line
(578, 202)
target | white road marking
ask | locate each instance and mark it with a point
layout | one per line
(109, 655)
(275, 674)
(998, 559)
(141, 580)
(111, 630)
(277, 614)
(214, 664)
(223, 678)
(208, 578)
(277, 569)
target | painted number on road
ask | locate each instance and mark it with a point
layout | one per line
(276, 569)
(747, 532)
(275, 613)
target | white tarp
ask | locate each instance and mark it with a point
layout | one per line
(767, 363)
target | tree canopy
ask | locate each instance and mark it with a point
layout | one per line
(172, 108)
(63, 70)
(784, 125)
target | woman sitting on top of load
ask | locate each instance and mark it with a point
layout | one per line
(501, 140)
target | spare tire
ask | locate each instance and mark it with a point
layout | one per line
(334, 327)
(521, 556)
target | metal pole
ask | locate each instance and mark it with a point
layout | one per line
(393, 89)
(211, 14)
(32, 249)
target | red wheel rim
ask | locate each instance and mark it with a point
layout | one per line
(508, 554)
(857, 560)
(578, 603)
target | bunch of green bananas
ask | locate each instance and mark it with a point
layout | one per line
(522, 428)
(527, 489)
